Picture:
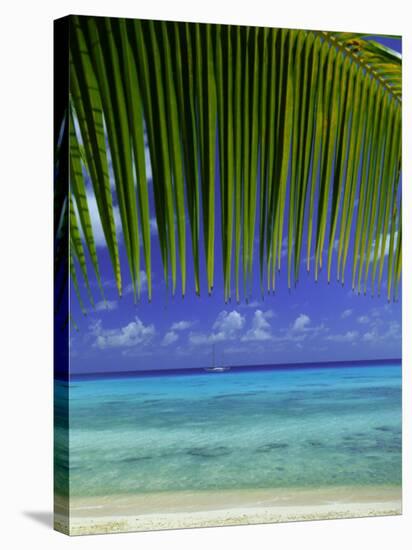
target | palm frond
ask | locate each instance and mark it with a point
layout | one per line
(304, 127)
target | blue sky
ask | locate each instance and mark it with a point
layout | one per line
(312, 322)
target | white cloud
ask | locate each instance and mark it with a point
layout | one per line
(260, 327)
(149, 173)
(230, 326)
(133, 334)
(181, 325)
(363, 320)
(98, 234)
(169, 338)
(379, 244)
(394, 330)
(229, 323)
(269, 314)
(383, 309)
(153, 226)
(350, 336)
(172, 335)
(99, 237)
(226, 327)
(392, 333)
(308, 332)
(107, 305)
(370, 336)
(346, 313)
(301, 322)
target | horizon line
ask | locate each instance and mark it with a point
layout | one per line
(300, 364)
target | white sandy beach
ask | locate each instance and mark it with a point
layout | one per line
(205, 509)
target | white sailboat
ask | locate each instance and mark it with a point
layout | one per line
(214, 367)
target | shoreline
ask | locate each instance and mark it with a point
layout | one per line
(189, 509)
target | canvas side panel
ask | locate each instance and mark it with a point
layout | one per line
(61, 276)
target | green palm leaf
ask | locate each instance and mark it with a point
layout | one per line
(79, 194)
(86, 99)
(306, 126)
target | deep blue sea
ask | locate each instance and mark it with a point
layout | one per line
(315, 426)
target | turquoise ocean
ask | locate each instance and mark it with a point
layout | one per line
(306, 426)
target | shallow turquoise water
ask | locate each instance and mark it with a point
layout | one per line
(312, 427)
